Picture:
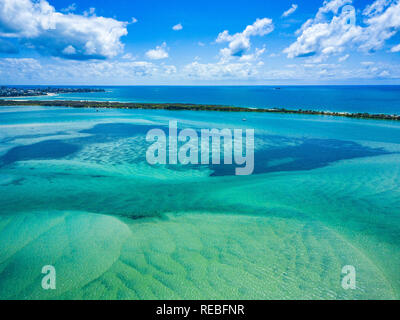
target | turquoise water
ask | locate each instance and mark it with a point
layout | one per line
(372, 99)
(77, 193)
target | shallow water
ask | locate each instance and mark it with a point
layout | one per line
(77, 193)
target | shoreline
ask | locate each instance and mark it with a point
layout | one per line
(21, 98)
(29, 92)
(190, 107)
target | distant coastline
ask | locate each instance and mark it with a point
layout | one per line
(10, 92)
(190, 107)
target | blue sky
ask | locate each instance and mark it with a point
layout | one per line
(125, 42)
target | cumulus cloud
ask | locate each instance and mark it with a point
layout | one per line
(254, 56)
(158, 53)
(70, 50)
(384, 74)
(90, 12)
(177, 27)
(381, 27)
(307, 72)
(218, 71)
(395, 48)
(239, 43)
(367, 63)
(128, 56)
(93, 71)
(290, 11)
(344, 58)
(376, 7)
(330, 6)
(310, 72)
(70, 8)
(39, 25)
(236, 62)
(60, 71)
(20, 69)
(325, 37)
(332, 31)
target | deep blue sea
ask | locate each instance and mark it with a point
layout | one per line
(371, 99)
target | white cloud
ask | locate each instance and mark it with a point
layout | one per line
(170, 69)
(69, 50)
(20, 68)
(128, 56)
(70, 8)
(319, 36)
(253, 56)
(331, 33)
(95, 71)
(218, 71)
(290, 11)
(384, 74)
(367, 63)
(239, 43)
(39, 25)
(60, 71)
(324, 71)
(381, 27)
(376, 7)
(331, 6)
(395, 48)
(177, 27)
(255, 71)
(134, 20)
(247, 66)
(91, 12)
(344, 58)
(158, 53)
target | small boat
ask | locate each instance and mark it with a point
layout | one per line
(244, 119)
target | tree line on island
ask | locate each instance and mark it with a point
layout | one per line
(190, 107)
(41, 91)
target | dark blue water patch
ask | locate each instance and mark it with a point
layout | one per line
(281, 154)
(286, 153)
(18, 182)
(31, 136)
(118, 130)
(308, 155)
(15, 182)
(49, 149)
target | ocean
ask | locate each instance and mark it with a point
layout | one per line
(77, 193)
(371, 99)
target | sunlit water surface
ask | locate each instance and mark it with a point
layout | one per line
(77, 193)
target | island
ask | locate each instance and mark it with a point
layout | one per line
(189, 107)
(34, 92)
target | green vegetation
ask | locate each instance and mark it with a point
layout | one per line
(191, 107)
(34, 92)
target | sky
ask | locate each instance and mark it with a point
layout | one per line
(188, 42)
